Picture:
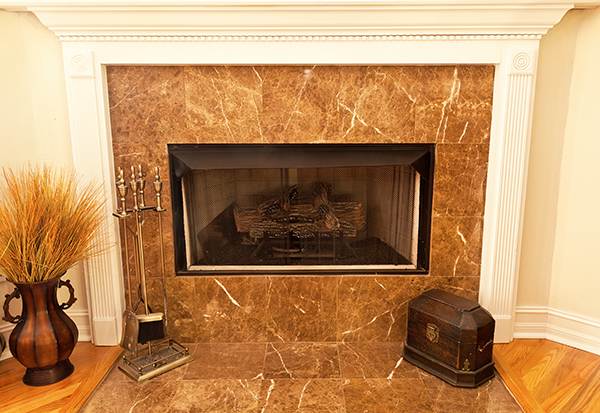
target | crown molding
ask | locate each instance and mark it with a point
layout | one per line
(70, 19)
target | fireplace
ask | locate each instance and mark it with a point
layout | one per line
(326, 208)
(502, 35)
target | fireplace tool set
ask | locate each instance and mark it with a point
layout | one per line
(145, 335)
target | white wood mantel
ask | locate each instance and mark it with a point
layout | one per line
(503, 33)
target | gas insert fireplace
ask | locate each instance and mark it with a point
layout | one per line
(297, 208)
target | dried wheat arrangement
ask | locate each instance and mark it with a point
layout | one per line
(48, 222)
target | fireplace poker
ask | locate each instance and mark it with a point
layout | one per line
(122, 213)
(160, 210)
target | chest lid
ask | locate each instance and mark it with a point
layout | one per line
(457, 318)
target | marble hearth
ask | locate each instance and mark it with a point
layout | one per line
(301, 378)
(450, 106)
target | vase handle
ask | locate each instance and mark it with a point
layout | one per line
(72, 298)
(7, 316)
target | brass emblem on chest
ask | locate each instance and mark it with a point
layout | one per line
(432, 333)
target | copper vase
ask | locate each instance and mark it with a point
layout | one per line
(44, 336)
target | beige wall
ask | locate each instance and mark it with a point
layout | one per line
(576, 276)
(560, 259)
(33, 103)
(33, 110)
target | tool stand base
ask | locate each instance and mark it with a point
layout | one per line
(166, 355)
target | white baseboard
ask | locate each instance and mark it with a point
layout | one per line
(80, 317)
(82, 321)
(5, 330)
(560, 326)
(503, 330)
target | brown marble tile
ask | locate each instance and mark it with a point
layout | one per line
(228, 309)
(383, 396)
(302, 361)
(375, 105)
(437, 94)
(183, 318)
(457, 251)
(216, 396)
(467, 287)
(115, 394)
(300, 103)
(146, 104)
(155, 396)
(374, 360)
(460, 180)
(454, 104)
(372, 381)
(374, 308)
(302, 396)
(227, 361)
(301, 308)
(470, 119)
(225, 104)
(491, 396)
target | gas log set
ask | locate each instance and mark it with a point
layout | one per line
(306, 223)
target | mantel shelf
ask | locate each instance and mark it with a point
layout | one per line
(279, 17)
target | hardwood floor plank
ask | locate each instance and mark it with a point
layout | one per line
(549, 377)
(581, 368)
(516, 356)
(546, 375)
(587, 399)
(91, 365)
(514, 383)
(42, 401)
(524, 355)
(99, 369)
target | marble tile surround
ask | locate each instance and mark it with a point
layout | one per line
(451, 106)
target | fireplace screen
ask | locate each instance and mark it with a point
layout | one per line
(301, 208)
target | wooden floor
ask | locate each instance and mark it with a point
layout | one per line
(544, 377)
(91, 365)
(547, 377)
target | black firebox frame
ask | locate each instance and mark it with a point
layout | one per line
(184, 158)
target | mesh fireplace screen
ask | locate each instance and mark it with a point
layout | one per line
(361, 214)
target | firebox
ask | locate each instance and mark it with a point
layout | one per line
(301, 208)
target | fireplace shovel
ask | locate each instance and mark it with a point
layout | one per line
(129, 340)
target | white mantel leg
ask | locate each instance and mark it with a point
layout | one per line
(507, 173)
(90, 157)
